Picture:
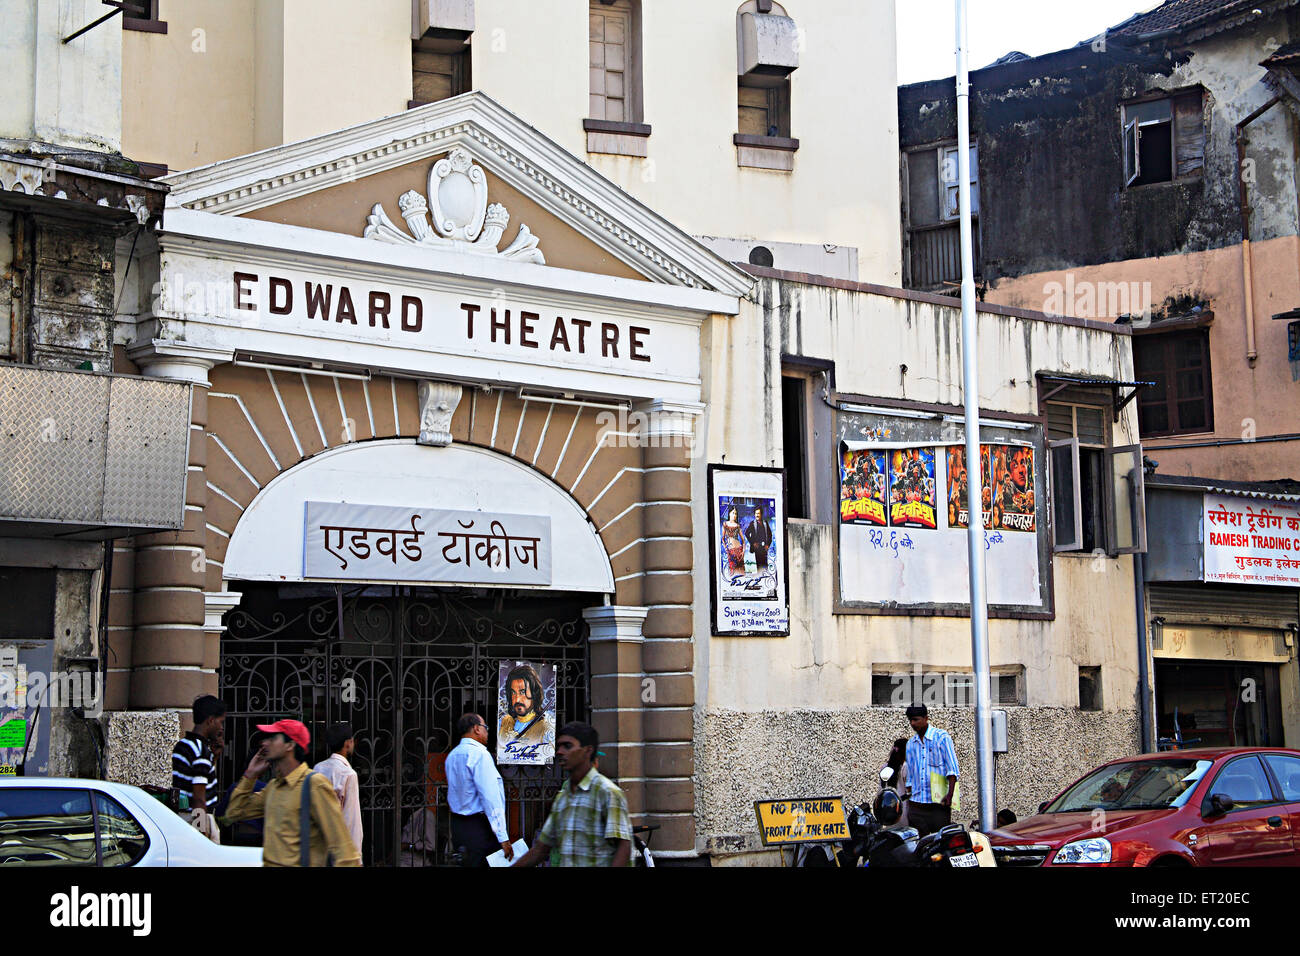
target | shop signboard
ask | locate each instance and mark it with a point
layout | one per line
(1251, 541)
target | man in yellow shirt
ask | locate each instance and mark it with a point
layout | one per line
(279, 803)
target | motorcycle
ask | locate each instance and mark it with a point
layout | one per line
(876, 839)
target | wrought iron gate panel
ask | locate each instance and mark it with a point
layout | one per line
(400, 664)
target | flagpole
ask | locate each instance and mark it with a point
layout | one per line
(979, 615)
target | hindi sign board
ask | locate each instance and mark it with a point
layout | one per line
(379, 543)
(801, 820)
(1251, 541)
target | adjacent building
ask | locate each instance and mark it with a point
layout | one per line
(1147, 177)
(574, 336)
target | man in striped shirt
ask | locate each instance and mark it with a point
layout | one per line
(931, 773)
(194, 767)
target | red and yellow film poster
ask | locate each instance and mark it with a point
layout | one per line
(958, 497)
(862, 487)
(1013, 488)
(911, 488)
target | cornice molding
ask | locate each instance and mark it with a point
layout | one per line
(506, 146)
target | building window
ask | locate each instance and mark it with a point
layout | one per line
(932, 216)
(1179, 364)
(795, 429)
(1077, 437)
(1090, 688)
(1164, 139)
(142, 16)
(440, 66)
(615, 57)
(764, 111)
(946, 688)
(1097, 490)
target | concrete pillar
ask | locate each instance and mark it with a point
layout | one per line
(616, 676)
(173, 656)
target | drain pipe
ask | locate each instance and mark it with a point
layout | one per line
(1144, 672)
(1247, 268)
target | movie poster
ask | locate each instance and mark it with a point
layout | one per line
(1013, 488)
(862, 487)
(911, 488)
(747, 526)
(958, 498)
(526, 713)
(748, 559)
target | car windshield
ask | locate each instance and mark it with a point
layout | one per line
(1141, 785)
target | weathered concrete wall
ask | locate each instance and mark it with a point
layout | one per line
(760, 754)
(68, 94)
(139, 748)
(1249, 401)
(789, 716)
(1050, 152)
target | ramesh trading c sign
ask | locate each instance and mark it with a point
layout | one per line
(1251, 542)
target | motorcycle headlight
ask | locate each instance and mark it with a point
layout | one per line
(1095, 850)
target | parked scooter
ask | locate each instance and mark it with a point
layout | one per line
(876, 839)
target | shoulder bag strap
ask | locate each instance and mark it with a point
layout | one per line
(304, 821)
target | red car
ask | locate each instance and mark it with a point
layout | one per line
(1216, 806)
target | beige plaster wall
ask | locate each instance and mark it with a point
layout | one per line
(281, 70)
(1248, 401)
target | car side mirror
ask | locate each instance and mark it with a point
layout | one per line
(1220, 803)
(1042, 806)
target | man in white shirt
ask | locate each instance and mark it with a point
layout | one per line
(476, 795)
(337, 768)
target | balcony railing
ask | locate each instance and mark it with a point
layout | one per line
(936, 257)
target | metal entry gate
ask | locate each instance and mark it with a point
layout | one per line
(401, 665)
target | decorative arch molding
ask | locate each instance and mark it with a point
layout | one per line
(267, 541)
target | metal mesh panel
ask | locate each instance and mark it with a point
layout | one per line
(145, 467)
(84, 448)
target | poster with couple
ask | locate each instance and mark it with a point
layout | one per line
(748, 531)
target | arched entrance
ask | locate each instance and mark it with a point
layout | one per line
(401, 661)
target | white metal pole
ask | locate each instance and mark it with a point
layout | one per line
(979, 615)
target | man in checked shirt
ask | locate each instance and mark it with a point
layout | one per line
(931, 773)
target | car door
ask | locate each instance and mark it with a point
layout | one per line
(1286, 775)
(1257, 830)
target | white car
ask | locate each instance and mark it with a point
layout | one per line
(67, 822)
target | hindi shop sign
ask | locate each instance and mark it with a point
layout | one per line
(379, 543)
(811, 820)
(1248, 542)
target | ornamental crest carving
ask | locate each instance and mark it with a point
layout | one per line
(462, 219)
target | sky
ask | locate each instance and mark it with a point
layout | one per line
(926, 35)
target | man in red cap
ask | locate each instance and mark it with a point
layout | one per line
(328, 841)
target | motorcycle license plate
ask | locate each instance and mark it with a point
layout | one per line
(965, 859)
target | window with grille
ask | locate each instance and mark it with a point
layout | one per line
(615, 61)
(1179, 365)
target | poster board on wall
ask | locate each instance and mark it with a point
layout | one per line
(903, 513)
(749, 572)
(525, 713)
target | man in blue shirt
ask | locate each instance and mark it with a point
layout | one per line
(931, 773)
(476, 795)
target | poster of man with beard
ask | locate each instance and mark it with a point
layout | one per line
(526, 704)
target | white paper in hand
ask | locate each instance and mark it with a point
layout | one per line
(499, 857)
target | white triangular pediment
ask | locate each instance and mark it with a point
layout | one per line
(474, 129)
